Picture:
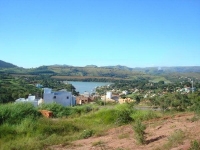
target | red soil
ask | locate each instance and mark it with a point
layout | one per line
(157, 133)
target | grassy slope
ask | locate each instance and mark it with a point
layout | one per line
(38, 133)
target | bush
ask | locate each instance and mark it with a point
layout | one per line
(194, 145)
(143, 115)
(123, 113)
(14, 113)
(7, 131)
(175, 139)
(86, 134)
(139, 128)
(57, 109)
(82, 109)
(47, 127)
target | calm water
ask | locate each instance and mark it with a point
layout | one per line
(81, 87)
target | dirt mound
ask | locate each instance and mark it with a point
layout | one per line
(157, 132)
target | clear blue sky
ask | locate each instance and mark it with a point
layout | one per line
(135, 33)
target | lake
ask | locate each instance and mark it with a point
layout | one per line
(81, 87)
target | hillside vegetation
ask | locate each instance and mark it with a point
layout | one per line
(111, 72)
(4, 64)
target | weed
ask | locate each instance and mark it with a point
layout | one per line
(139, 132)
(195, 118)
(97, 143)
(143, 115)
(86, 134)
(14, 113)
(123, 113)
(194, 145)
(124, 136)
(175, 139)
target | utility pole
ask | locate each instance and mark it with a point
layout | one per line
(105, 99)
(192, 87)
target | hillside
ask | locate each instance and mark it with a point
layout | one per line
(4, 64)
(107, 72)
(161, 134)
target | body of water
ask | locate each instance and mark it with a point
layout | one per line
(81, 87)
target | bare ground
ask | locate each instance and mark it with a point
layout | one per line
(157, 134)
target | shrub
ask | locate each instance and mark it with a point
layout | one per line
(176, 138)
(143, 115)
(86, 134)
(61, 127)
(123, 113)
(139, 128)
(57, 109)
(194, 145)
(7, 131)
(14, 113)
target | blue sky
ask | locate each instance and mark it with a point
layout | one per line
(134, 33)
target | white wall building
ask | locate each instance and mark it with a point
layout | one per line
(31, 99)
(109, 95)
(125, 92)
(62, 97)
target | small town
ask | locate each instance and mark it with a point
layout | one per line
(99, 74)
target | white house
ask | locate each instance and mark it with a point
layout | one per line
(108, 95)
(62, 97)
(125, 92)
(31, 99)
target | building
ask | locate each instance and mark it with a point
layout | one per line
(83, 100)
(125, 92)
(31, 99)
(126, 100)
(86, 94)
(109, 95)
(39, 85)
(62, 97)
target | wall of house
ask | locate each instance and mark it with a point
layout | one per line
(63, 98)
(48, 97)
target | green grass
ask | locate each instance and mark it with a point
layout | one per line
(21, 125)
(194, 145)
(159, 78)
(174, 140)
(38, 133)
(139, 129)
(144, 115)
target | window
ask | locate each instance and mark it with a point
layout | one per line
(67, 97)
(54, 97)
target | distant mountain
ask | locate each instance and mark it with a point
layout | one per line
(117, 71)
(4, 64)
(91, 66)
(57, 65)
(182, 69)
(118, 67)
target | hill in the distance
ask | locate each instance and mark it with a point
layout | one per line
(4, 64)
(117, 71)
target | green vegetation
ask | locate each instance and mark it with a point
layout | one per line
(123, 113)
(23, 126)
(144, 115)
(175, 139)
(14, 113)
(194, 145)
(139, 128)
(4, 64)
(12, 88)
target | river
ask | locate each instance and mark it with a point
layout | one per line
(81, 87)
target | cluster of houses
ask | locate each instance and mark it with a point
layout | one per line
(62, 97)
(65, 98)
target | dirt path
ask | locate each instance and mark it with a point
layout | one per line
(157, 134)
